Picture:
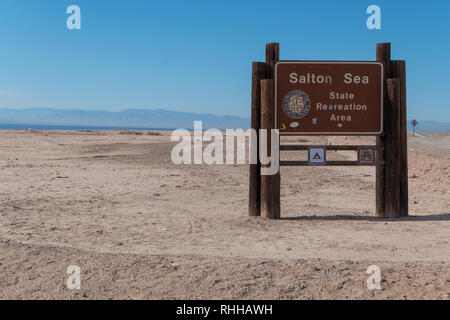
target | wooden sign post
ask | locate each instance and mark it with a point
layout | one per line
(270, 184)
(392, 177)
(375, 100)
(258, 73)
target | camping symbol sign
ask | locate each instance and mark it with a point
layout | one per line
(317, 155)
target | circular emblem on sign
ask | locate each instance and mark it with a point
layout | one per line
(296, 104)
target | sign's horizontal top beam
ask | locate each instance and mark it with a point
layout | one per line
(301, 147)
(299, 163)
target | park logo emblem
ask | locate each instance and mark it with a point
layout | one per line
(296, 104)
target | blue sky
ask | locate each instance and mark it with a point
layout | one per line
(196, 55)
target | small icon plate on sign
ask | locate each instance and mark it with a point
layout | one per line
(317, 155)
(366, 155)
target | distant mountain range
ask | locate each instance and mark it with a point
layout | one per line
(133, 118)
(143, 118)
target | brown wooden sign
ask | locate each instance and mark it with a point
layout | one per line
(329, 98)
(333, 98)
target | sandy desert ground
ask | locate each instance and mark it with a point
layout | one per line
(141, 227)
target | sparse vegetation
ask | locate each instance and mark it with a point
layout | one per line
(140, 133)
(131, 132)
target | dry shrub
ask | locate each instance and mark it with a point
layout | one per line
(131, 132)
